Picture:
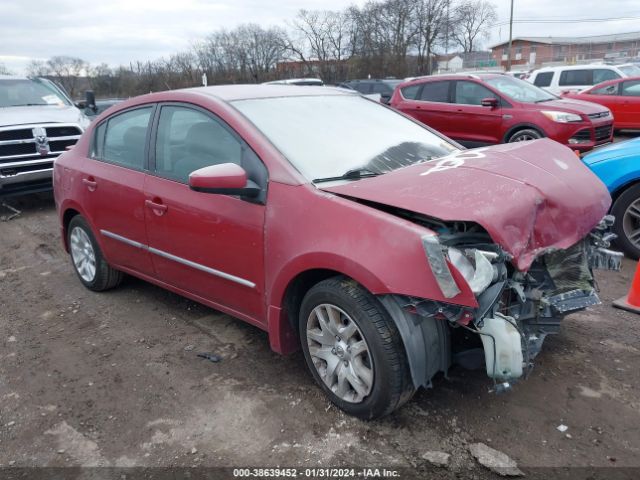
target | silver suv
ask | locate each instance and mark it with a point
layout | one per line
(38, 122)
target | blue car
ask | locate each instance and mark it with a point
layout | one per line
(618, 166)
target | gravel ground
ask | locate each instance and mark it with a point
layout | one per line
(113, 379)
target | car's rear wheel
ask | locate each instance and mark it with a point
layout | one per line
(353, 349)
(87, 259)
(524, 135)
(626, 209)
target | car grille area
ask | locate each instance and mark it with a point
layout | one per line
(595, 116)
(603, 132)
(32, 148)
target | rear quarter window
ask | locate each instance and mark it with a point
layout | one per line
(410, 92)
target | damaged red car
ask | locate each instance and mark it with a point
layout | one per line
(384, 250)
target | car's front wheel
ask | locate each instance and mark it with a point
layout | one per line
(626, 209)
(87, 259)
(353, 349)
(524, 135)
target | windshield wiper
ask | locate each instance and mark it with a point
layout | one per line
(27, 104)
(353, 174)
(545, 100)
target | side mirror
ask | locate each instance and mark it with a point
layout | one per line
(224, 179)
(90, 100)
(489, 102)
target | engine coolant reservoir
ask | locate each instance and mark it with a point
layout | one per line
(508, 351)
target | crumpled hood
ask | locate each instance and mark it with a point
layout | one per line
(10, 116)
(529, 196)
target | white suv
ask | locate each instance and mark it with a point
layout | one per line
(579, 77)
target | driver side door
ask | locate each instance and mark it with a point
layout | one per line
(210, 246)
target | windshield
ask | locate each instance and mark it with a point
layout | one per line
(27, 92)
(328, 136)
(630, 70)
(519, 90)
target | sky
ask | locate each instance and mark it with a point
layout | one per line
(119, 31)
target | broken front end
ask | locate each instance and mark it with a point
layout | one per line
(516, 309)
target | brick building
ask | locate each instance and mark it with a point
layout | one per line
(536, 51)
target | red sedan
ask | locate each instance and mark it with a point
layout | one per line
(621, 96)
(339, 226)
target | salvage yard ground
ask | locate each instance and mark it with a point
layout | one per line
(114, 379)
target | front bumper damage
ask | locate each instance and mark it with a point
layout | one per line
(515, 313)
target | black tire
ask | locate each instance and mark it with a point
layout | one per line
(524, 134)
(620, 206)
(105, 277)
(392, 385)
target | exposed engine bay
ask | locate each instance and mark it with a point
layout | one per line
(516, 310)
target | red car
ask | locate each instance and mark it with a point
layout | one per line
(621, 96)
(339, 226)
(487, 109)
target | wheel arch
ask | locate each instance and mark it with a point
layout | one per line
(522, 126)
(615, 194)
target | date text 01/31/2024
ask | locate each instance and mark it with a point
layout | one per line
(315, 473)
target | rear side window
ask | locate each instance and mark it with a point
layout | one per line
(125, 138)
(608, 90)
(410, 92)
(631, 88)
(543, 79)
(576, 77)
(602, 75)
(435, 92)
(471, 93)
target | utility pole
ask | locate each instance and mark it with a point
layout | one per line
(510, 37)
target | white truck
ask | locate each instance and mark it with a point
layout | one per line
(38, 121)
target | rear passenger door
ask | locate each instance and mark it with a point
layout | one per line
(433, 106)
(207, 245)
(113, 181)
(475, 125)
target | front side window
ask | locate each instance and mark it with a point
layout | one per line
(630, 70)
(519, 90)
(329, 135)
(608, 90)
(125, 138)
(435, 92)
(188, 140)
(631, 88)
(576, 77)
(471, 93)
(602, 75)
(543, 79)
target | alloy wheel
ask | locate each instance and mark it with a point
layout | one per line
(631, 223)
(340, 353)
(82, 254)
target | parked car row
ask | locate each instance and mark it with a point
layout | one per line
(378, 246)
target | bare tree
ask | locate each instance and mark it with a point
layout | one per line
(67, 71)
(37, 68)
(430, 21)
(471, 22)
(4, 70)
(322, 38)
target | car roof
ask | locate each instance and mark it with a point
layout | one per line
(451, 76)
(575, 67)
(13, 77)
(230, 93)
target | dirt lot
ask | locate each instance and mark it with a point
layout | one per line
(113, 379)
